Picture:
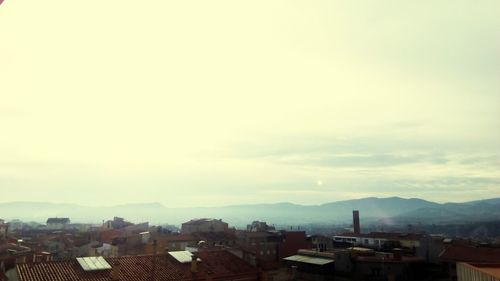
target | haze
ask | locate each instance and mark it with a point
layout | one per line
(208, 103)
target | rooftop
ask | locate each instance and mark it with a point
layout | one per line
(468, 253)
(386, 235)
(58, 220)
(309, 259)
(135, 268)
(200, 221)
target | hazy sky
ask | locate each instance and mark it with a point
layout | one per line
(203, 103)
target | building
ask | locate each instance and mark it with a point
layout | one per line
(172, 242)
(57, 223)
(355, 222)
(204, 225)
(219, 238)
(16, 251)
(460, 252)
(260, 248)
(478, 272)
(116, 223)
(4, 229)
(366, 264)
(259, 226)
(380, 240)
(292, 242)
(179, 266)
(322, 243)
(312, 265)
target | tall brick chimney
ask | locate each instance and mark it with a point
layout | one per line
(355, 222)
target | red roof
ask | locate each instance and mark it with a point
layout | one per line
(468, 253)
(220, 264)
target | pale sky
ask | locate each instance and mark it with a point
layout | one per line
(207, 103)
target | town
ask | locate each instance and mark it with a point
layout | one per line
(210, 249)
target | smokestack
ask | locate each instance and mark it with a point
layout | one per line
(115, 271)
(355, 222)
(194, 264)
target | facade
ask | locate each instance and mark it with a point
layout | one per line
(367, 264)
(478, 272)
(204, 225)
(292, 242)
(214, 239)
(172, 242)
(260, 248)
(379, 240)
(322, 243)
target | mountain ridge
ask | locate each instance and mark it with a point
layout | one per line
(372, 210)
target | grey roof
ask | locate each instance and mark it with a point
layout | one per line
(58, 220)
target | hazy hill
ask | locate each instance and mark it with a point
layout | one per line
(371, 209)
(474, 211)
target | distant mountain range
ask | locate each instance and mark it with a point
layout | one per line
(373, 210)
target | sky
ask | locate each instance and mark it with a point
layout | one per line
(208, 103)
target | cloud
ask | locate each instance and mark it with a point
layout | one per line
(364, 160)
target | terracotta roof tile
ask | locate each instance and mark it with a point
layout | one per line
(134, 268)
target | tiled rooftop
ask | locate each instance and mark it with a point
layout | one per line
(135, 268)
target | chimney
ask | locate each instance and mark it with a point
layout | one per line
(262, 276)
(46, 256)
(155, 243)
(194, 264)
(294, 272)
(115, 271)
(153, 270)
(397, 254)
(355, 222)
(209, 277)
